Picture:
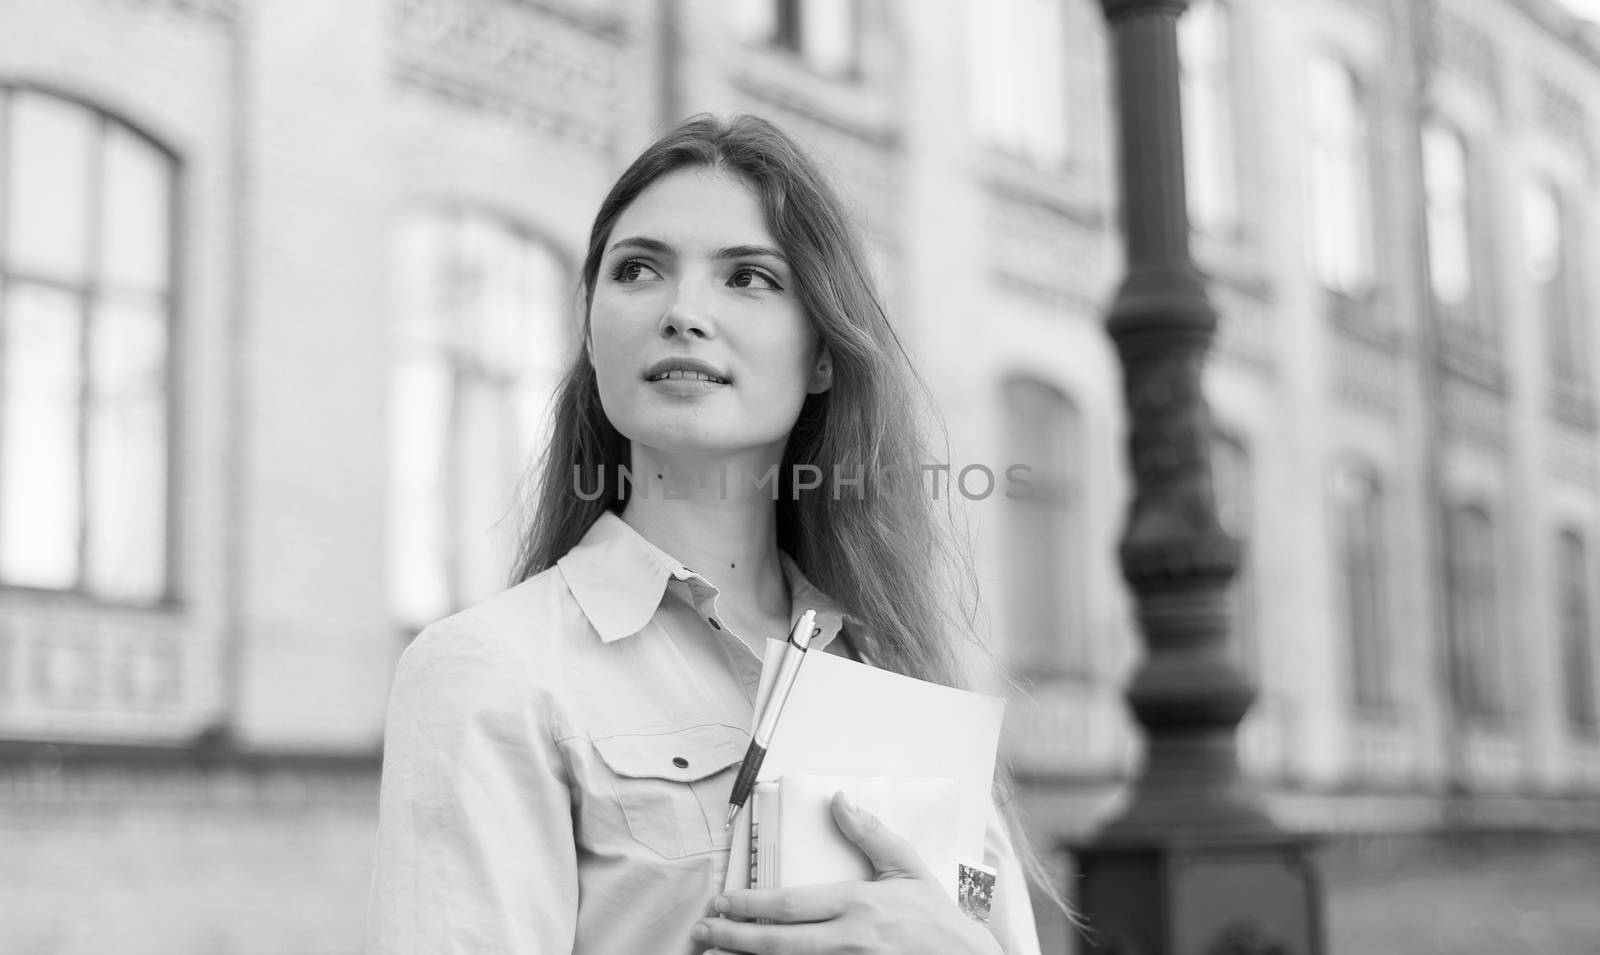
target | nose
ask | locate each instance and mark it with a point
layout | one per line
(688, 314)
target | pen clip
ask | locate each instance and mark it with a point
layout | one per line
(805, 630)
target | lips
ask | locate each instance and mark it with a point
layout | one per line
(685, 369)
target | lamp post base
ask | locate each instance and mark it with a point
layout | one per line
(1215, 894)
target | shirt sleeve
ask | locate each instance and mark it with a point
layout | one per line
(475, 848)
(1011, 910)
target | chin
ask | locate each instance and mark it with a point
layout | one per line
(699, 438)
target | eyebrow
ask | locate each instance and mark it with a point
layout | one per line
(730, 252)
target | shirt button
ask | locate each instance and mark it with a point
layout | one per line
(714, 622)
(680, 762)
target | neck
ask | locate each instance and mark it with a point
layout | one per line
(722, 530)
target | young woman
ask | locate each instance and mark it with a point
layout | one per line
(558, 759)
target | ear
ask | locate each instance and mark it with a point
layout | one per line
(821, 372)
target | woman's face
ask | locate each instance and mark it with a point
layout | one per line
(697, 336)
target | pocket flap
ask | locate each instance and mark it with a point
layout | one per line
(683, 755)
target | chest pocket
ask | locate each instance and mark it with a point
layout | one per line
(673, 785)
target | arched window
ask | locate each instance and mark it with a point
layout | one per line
(1017, 79)
(1546, 254)
(1045, 565)
(1358, 506)
(1233, 484)
(1208, 129)
(480, 343)
(1577, 632)
(1339, 179)
(86, 321)
(1447, 182)
(1478, 667)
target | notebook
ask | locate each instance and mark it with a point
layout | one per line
(845, 718)
(794, 840)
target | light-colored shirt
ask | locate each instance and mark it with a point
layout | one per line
(558, 759)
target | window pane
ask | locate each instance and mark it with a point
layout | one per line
(544, 343)
(487, 467)
(757, 19)
(48, 187)
(136, 243)
(1541, 233)
(1043, 570)
(1444, 160)
(985, 33)
(1474, 614)
(1235, 499)
(39, 459)
(495, 296)
(419, 420)
(1338, 179)
(423, 264)
(1545, 256)
(1366, 630)
(1017, 78)
(828, 35)
(1207, 116)
(482, 344)
(1577, 638)
(128, 450)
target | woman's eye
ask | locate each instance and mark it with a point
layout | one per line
(745, 277)
(628, 270)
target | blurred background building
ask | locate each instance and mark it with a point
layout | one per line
(284, 288)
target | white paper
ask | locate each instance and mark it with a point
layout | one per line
(815, 852)
(848, 719)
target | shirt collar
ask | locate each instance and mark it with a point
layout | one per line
(619, 578)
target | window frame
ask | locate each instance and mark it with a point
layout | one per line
(1567, 341)
(88, 293)
(1580, 706)
(1363, 563)
(1472, 315)
(1479, 677)
(1015, 141)
(455, 218)
(1361, 285)
(1244, 589)
(1193, 82)
(1072, 657)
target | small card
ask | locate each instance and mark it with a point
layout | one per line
(975, 890)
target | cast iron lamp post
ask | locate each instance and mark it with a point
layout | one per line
(1192, 864)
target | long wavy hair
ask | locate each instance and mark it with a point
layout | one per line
(879, 550)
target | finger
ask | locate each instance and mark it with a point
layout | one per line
(810, 903)
(809, 938)
(892, 857)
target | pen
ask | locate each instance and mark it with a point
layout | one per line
(793, 655)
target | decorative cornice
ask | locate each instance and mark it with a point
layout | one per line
(544, 65)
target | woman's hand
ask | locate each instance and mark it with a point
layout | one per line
(903, 912)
